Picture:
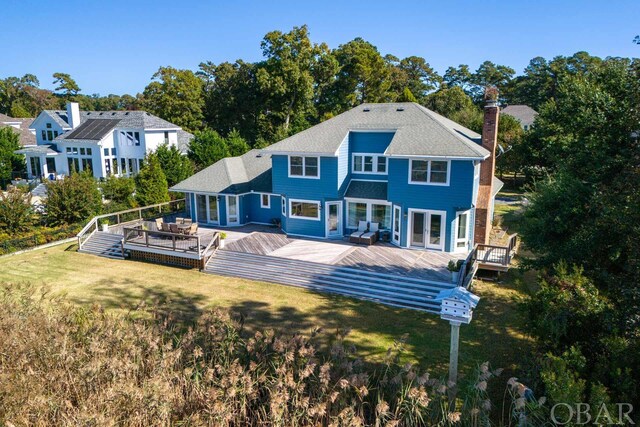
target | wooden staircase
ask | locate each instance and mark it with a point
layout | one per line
(103, 244)
(395, 290)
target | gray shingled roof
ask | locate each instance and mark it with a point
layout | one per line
(128, 119)
(367, 190)
(523, 113)
(418, 132)
(184, 139)
(38, 149)
(251, 171)
(26, 136)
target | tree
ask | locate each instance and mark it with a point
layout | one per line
(151, 183)
(413, 74)
(206, 148)
(236, 144)
(16, 214)
(67, 87)
(119, 191)
(175, 95)
(73, 199)
(175, 165)
(9, 160)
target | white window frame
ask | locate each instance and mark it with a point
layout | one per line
(369, 203)
(326, 225)
(304, 167)
(427, 233)
(237, 214)
(396, 215)
(315, 202)
(284, 206)
(457, 240)
(375, 157)
(428, 181)
(262, 205)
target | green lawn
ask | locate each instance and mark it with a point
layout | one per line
(494, 335)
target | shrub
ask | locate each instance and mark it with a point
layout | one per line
(176, 166)
(151, 183)
(119, 191)
(65, 365)
(73, 199)
(16, 213)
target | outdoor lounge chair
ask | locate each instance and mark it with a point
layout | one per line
(159, 222)
(187, 221)
(179, 220)
(173, 228)
(165, 227)
(193, 230)
(371, 236)
(355, 236)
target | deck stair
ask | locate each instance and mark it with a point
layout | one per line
(389, 289)
(39, 191)
(103, 244)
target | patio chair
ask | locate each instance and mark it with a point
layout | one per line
(165, 227)
(371, 236)
(193, 230)
(159, 222)
(179, 220)
(173, 228)
(187, 221)
(355, 236)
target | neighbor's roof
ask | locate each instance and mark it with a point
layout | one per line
(497, 186)
(367, 190)
(128, 119)
(26, 136)
(38, 149)
(249, 172)
(523, 113)
(418, 132)
(184, 139)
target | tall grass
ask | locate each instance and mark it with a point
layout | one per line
(61, 364)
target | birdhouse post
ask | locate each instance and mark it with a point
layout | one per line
(456, 307)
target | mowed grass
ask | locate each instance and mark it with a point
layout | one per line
(495, 334)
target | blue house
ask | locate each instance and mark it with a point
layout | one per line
(426, 180)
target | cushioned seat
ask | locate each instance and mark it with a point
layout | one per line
(355, 236)
(371, 236)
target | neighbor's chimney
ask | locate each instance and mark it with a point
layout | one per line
(487, 167)
(73, 114)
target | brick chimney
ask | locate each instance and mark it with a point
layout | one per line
(487, 167)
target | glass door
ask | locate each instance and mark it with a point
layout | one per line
(397, 218)
(334, 222)
(232, 210)
(213, 209)
(418, 227)
(435, 231)
(201, 208)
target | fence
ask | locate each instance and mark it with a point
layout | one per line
(40, 237)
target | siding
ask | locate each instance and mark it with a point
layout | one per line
(368, 142)
(455, 197)
(343, 165)
(251, 208)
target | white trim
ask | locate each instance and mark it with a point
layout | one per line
(427, 228)
(237, 215)
(429, 156)
(374, 163)
(207, 220)
(298, 153)
(457, 240)
(326, 226)
(369, 211)
(396, 215)
(305, 217)
(369, 180)
(428, 182)
(283, 204)
(262, 205)
(304, 166)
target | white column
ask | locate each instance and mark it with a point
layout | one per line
(453, 364)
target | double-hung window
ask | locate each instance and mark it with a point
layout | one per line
(304, 167)
(265, 201)
(462, 230)
(369, 163)
(435, 172)
(304, 209)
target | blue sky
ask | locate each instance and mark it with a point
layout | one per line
(115, 46)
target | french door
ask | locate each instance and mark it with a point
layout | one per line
(232, 210)
(427, 229)
(334, 219)
(207, 209)
(397, 225)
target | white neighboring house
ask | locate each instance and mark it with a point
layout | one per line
(105, 142)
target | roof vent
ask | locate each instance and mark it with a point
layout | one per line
(101, 114)
(113, 114)
(126, 114)
(400, 109)
(88, 113)
(366, 109)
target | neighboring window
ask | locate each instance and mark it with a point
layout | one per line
(123, 164)
(132, 165)
(106, 151)
(44, 135)
(82, 152)
(114, 162)
(113, 151)
(87, 164)
(300, 166)
(284, 206)
(88, 151)
(434, 172)
(265, 201)
(136, 136)
(304, 210)
(74, 150)
(356, 212)
(166, 137)
(107, 166)
(48, 125)
(369, 163)
(69, 150)
(55, 133)
(462, 230)
(50, 135)
(130, 138)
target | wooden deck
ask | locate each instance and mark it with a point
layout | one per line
(381, 257)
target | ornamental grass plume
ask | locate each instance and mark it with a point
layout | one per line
(65, 365)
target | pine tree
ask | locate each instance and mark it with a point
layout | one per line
(151, 183)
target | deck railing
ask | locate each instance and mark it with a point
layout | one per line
(494, 254)
(468, 269)
(128, 216)
(175, 242)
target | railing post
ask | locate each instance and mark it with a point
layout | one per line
(173, 238)
(146, 238)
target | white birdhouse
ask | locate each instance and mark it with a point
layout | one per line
(457, 304)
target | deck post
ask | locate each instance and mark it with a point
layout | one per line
(452, 385)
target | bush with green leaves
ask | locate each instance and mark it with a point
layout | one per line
(72, 199)
(16, 212)
(151, 183)
(175, 165)
(9, 160)
(119, 191)
(207, 147)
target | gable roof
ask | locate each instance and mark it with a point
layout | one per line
(418, 132)
(522, 113)
(249, 172)
(26, 136)
(128, 119)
